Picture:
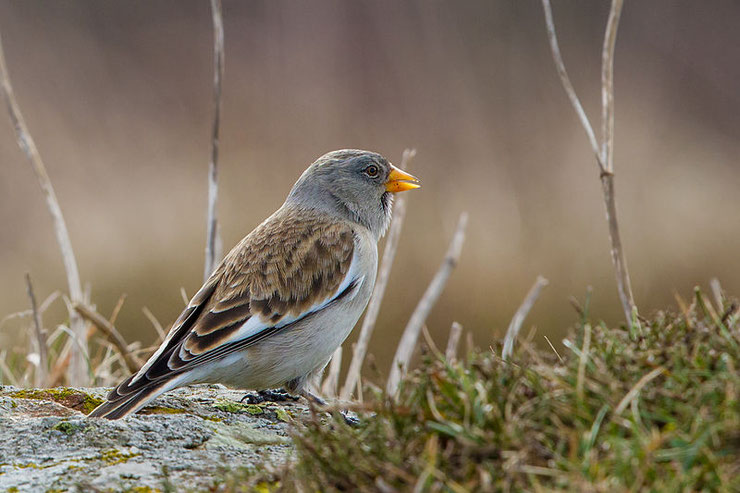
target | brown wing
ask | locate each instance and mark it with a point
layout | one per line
(292, 263)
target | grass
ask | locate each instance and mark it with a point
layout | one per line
(650, 409)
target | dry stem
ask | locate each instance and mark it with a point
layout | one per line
(212, 237)
(434, 290)
(605, 153)
(331, 382)
(452, 341)
(371, 316)
(132, 362)
(518, 319)
(78, 374)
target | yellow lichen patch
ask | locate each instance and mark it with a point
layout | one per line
(113, 456)
(162, 410)
(71, 398)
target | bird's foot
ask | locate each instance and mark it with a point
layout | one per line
(268, 395)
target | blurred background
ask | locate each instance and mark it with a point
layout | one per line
(118, 98)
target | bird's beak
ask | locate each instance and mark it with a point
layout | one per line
(400, 181)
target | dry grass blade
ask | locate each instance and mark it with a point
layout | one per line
(452, 341)
(634, 391)
(78, 375)
(132, 362)
(716, 288)
(371, 316)
(331, 382)
(434, 290)
(42, 371)
(161, 334)
(518, 319)
(212, 240)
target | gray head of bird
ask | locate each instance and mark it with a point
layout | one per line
(354, 185)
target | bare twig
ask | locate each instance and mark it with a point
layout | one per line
(434, 290)
(605, 153)
(117, 309)
(452, 341)
(565, 80)
(132, 362)
(212, 239)
(331, 382)
(607, 86)
(371, 316)
(161, 334)
(518, 319)
(40, 334)
(78, 375)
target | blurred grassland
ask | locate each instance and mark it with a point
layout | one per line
(117, 96)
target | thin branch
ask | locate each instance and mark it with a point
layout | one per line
(212, 237)
(117, 308)
(40, 334)
(28, 146)
(607, 86)
(518, 319)
(604, 154)
(453, 341)
(161, 334)
(331, 382)
(624, 284)
(132, 362)
(371, 316)
(567, 85)
(434, 290)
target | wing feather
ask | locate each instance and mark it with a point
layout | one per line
(293, 264)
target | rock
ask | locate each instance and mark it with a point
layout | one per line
(185, 439)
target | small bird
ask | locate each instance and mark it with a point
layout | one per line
(287, 295)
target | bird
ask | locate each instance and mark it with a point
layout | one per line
(281, 302)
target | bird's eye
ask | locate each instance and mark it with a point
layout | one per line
(371, 171)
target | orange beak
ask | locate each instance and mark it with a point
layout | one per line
(400, 181)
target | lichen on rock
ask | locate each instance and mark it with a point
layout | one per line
(187, 437)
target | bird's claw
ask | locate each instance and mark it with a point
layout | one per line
(268, 396)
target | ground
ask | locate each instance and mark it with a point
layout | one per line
(185, 439)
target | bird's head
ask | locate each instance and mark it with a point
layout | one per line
(357, 185)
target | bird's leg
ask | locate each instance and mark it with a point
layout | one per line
(268, 395)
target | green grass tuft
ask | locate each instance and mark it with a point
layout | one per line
(655, 408)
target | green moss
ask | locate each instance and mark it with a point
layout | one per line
(237, 407)
(113, 456)
(67, 428)
(72, 398)
(12, 489)
(283, 415)
(162, 410)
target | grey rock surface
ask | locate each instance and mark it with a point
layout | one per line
(186, 438)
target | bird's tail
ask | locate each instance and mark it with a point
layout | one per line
(120, 402)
